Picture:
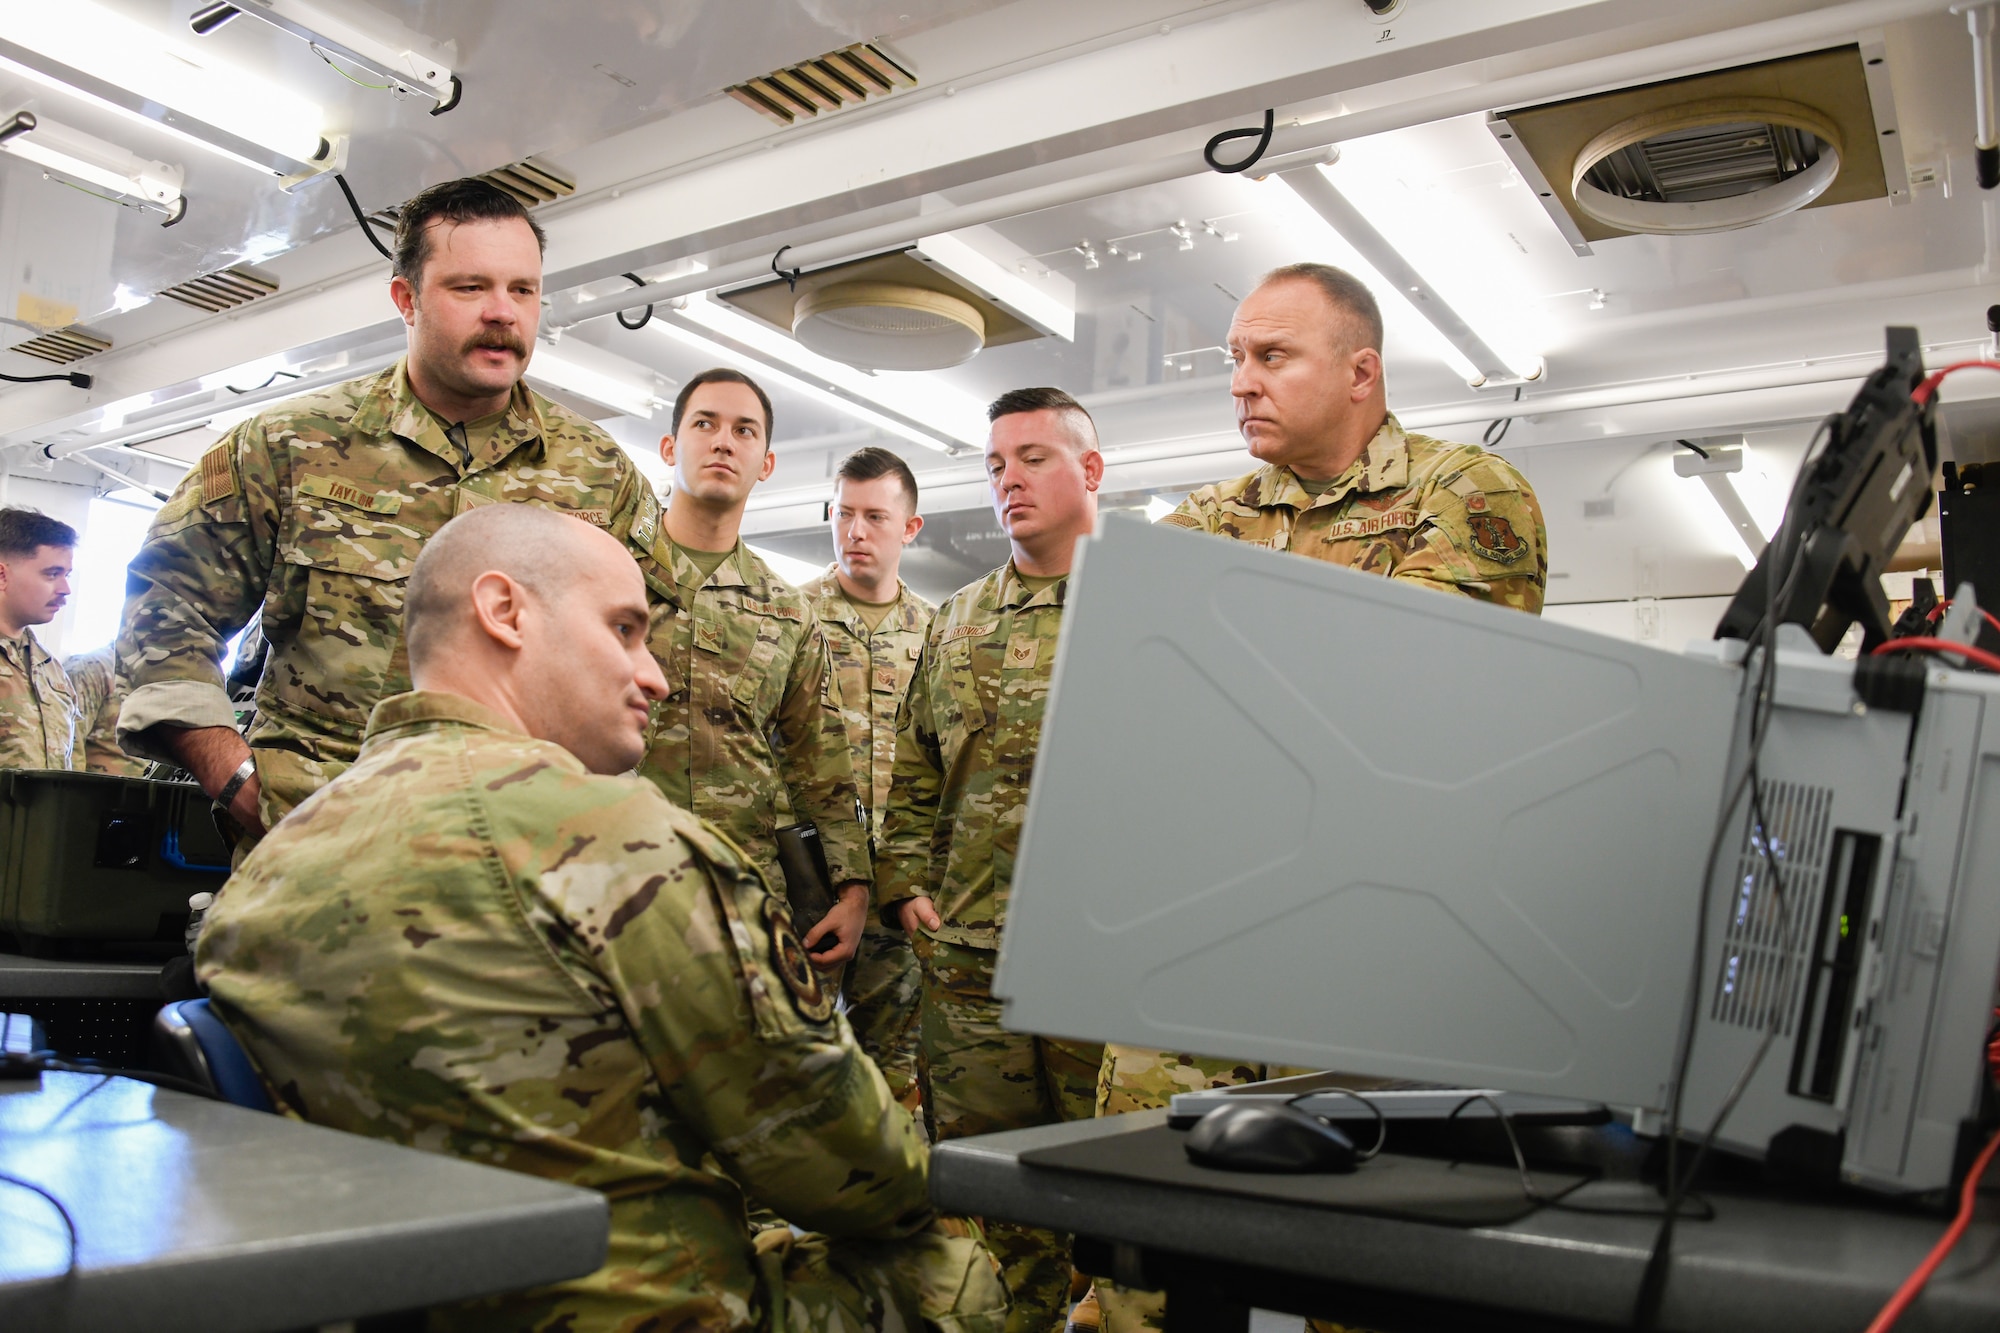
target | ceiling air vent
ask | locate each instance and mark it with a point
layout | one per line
(826, 83)
(223, 291)
(63, 346)
(1712, 152)
(531, 180)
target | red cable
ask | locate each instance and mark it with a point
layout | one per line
(1923, 392)
(1945, 605)
(1913, 1285)
(1977, 655)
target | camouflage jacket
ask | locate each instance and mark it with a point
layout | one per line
(1449, 515)
(309, 516)
(38, 710)
(871, 672)
(92, 678)
(469, 944)
(745, 736)
(965, 747)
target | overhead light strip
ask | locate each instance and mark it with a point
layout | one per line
(91, 161)
(408, 72)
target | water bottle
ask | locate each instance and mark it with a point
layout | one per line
(198, 905)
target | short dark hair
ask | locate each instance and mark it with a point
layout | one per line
(1343, 289)
(1044, 399)
(25, 531)
(466, 200)
(866, 464)
(721, 375)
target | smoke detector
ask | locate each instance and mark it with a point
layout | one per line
(1712, 152)
(888, 326)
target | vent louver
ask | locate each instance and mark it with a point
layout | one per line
(226, 290)
(1767, 940)
(63, 346)
(824, 83)
(531, 180)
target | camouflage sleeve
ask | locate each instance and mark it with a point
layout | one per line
(1193, 512)
(198, 578)
(817, 763)
(1482, 535)
(908, 855)
(734, 1020)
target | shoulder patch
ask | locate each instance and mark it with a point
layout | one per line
(218, 479)
(811, 995)
(1494, 537)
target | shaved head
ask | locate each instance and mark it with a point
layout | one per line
(542, 618)
(538, 548)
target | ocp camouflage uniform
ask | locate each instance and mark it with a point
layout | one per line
(1449, 516)
(310, 516)
(966, 740)
(469, 944)
(745, 733)
(92, 679)
(870, 674)
(38, 710)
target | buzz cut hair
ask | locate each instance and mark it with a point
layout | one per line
(535, 546)
(866, 464)
(1016, 401)
(25, 531)
(457, 202)
(1347, 293)
(722, 375)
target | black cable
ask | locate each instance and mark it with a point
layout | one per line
(1496, 429)
(288, 374)
(791, 276)
(1785, 559)
(1381, 1121)
(76, 377)
(367, 227)
(1692, 445)
(1262, 136)
(69, 1223)
(644, 319)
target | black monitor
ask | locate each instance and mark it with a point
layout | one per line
(1850, 512)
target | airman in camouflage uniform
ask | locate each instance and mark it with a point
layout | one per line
(967, 735)
(92, 677)
(477, 941)
(38, 709)
(309, 516)
(871, 672)
(1409, 507)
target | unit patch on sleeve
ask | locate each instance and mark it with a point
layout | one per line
(218, 480)
(811, 996)
(1494, 537)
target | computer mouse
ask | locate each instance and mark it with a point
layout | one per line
(1269, 1138)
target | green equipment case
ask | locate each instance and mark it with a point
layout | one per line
(94, 857)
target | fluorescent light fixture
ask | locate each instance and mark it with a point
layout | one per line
(1475, 357)
(602, 377)
(1712, 459)
(92, 161)
(787, 567)
(922, 399)
(87, 49)
(330, 35)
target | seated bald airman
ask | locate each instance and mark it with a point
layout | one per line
(478, 942)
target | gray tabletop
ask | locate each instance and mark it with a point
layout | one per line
(1762, 1263)
(27, 978)
(198, 1215)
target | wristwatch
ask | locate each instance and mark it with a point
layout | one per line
(244, 772)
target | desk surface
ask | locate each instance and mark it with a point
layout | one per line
(197, 1215)
(22, 977)
(1762, 1263)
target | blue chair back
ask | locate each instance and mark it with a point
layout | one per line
(186, 1024)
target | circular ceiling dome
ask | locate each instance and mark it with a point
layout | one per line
(1711, 165)
(888, 326)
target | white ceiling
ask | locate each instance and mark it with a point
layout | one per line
(1646, 339)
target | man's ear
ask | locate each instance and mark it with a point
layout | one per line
(498, 603)
(1093, 469)
(3, 575)
(667, 449)
(1367, 364)
(770, 463)
(405, 297)
(912, 527)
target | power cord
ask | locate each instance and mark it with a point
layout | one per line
(367, 227)
(69, 1223)
(1262, 136)
(1381, 1121)
(644, 319)
(75, 377)
(1496, 429)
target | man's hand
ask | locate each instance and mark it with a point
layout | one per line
(842, 925)
(213, 754)
(918, 912)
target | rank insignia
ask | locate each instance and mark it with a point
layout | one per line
(811, 995)
(1022, 652)
(885, 680)
(1494, 537)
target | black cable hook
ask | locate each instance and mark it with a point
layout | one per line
(1263, 138)
(791, 277)
(367, 229)
(644, 319)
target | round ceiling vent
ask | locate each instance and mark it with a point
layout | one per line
(888, 326)
(1712, 165)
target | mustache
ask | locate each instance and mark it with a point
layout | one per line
(498, 338)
